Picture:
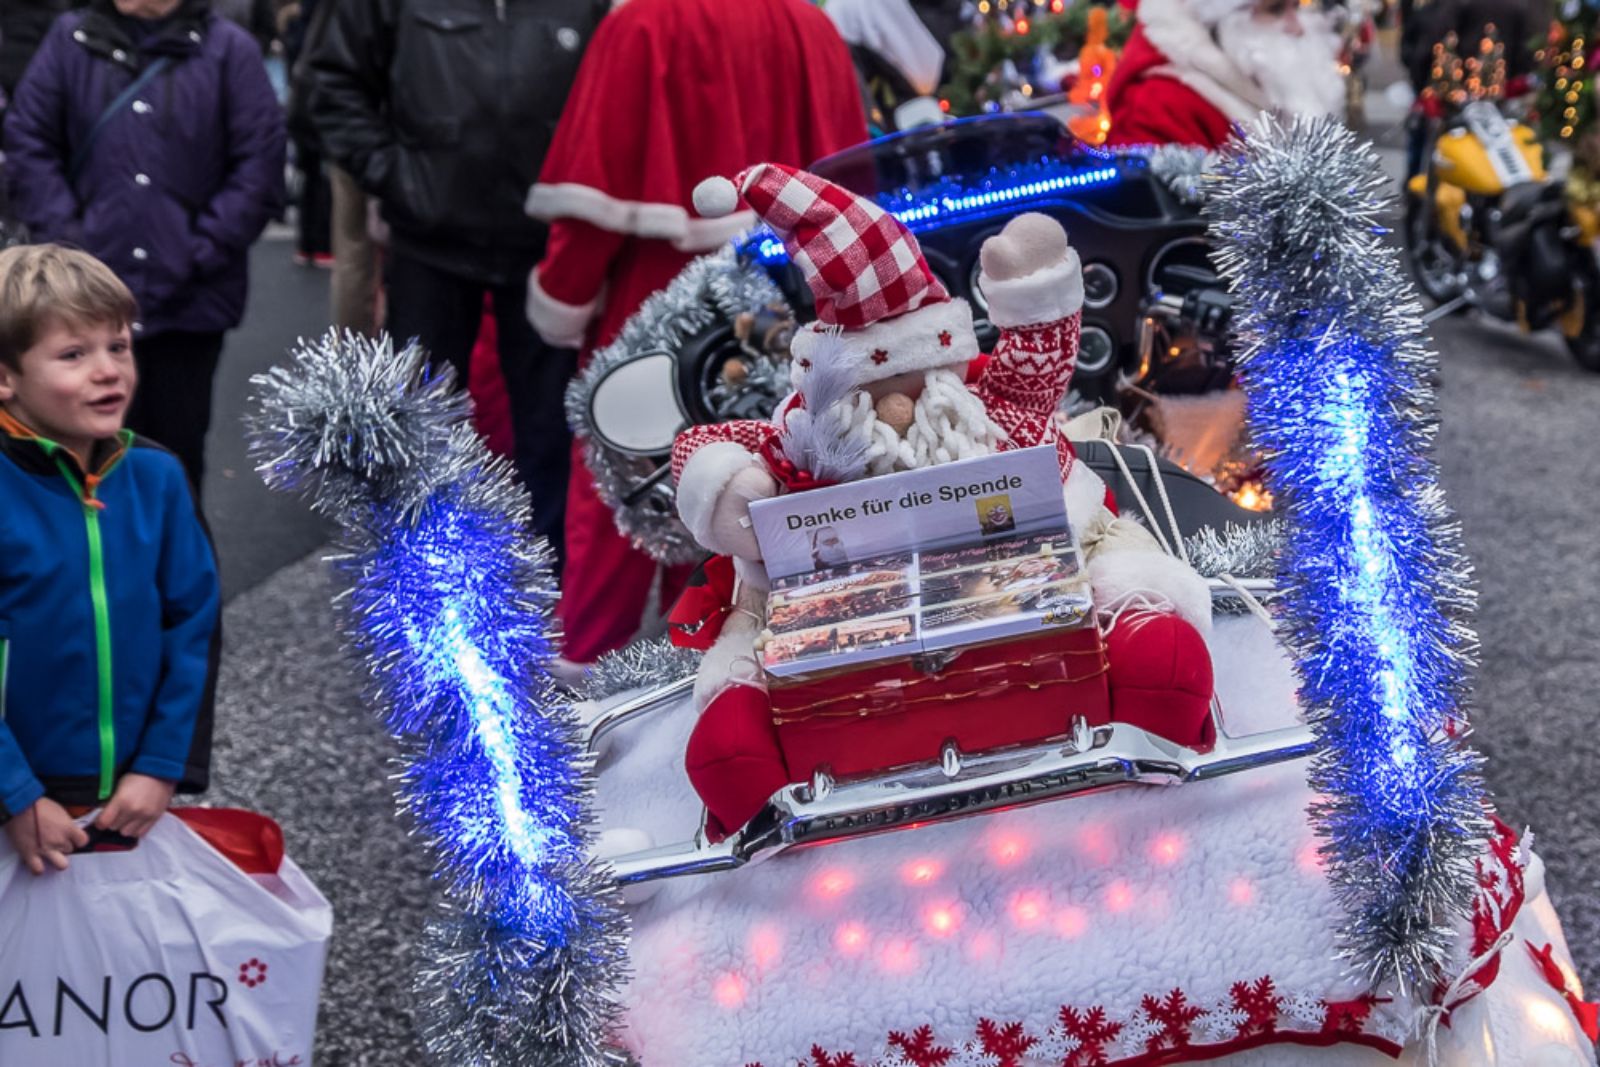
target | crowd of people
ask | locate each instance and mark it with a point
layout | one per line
(520, 170)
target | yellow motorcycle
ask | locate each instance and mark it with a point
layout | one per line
(1487, 228)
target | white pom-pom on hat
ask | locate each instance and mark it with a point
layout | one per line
(716, 197)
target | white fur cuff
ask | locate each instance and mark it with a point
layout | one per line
(559, 323)
(1045, 295)
(1115, 577)
(704, 477)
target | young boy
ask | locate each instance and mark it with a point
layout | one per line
(108, 586)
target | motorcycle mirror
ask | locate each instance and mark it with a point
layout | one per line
(634, 409)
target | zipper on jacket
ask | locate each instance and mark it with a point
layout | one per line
(500, 10)
(5, 669)
(102, 622)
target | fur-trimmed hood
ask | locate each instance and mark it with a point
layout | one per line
(1176, 28)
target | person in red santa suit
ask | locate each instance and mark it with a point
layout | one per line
(669, 91)
(881, 385)
(1195, 69)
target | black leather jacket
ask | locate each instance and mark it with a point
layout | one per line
(444, 110)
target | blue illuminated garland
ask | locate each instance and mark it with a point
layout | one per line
(951, 198)
(449, 604)
(1376, 589)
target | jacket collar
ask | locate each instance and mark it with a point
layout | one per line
(102, 32)
(40, 455)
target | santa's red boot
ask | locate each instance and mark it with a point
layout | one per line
(1160, 676)
(733, 758)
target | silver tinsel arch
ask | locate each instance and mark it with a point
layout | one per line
(713, 289)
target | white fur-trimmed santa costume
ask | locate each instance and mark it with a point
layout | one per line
(1193, 70)
(883, 317)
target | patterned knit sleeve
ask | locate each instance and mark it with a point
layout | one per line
(749, 434)
(1027, 375)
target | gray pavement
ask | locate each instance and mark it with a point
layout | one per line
(257, 531)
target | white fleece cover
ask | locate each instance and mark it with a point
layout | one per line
(1099, 901)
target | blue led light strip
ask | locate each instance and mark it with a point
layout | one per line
(930, 209)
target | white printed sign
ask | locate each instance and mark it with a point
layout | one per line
(961, 503)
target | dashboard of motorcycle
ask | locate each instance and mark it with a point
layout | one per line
(958, 184)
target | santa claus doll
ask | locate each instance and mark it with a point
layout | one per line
(889, 378)
(1195, 69)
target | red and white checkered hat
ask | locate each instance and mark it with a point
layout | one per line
(866, 272)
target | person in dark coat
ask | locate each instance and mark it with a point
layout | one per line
(23, 24)
(147, 133)
(443, 110)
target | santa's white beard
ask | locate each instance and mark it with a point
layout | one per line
(949, 422)
(1298, 74)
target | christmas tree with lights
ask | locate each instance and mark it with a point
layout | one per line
(1565, 100)
(1014, 49)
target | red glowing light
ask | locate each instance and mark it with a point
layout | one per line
(1241, 891)
(1023, 25)
(834, 883)
(1071, 922)
(983, 946)
(898, 957)
(1309, 859)
(1057, 6)
(730, 991)
(766, 945)
(1094, 844)
(1119, 896)
(850, 939)
(1167, 849)
(942, 920)
(1028, 907)
(1007, 849)
(922, 872)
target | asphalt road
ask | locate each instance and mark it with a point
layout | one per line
(257, 531)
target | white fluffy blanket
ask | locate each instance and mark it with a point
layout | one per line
(1138, 926)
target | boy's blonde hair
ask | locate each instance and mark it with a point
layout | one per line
(44, 284)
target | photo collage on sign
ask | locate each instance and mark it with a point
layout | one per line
(922, 601)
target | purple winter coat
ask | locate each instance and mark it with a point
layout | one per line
(180, 182)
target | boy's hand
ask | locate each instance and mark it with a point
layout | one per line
(136, 805)
(45, 833)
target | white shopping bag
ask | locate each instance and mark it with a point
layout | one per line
(166, 955)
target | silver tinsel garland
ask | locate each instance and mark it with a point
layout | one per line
(1183, 169)
(712, 289)
(1375, 590)
(648, 662)
(1247, 551)
(448, 603)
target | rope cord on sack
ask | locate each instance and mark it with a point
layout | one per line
(1182, 551)
(1257, 609)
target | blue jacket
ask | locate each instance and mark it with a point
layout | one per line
(180, 181)
(109, 627)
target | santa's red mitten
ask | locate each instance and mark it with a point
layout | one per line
(733, 758)
(1160, 676)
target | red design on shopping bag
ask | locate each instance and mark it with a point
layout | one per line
(252, 973)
